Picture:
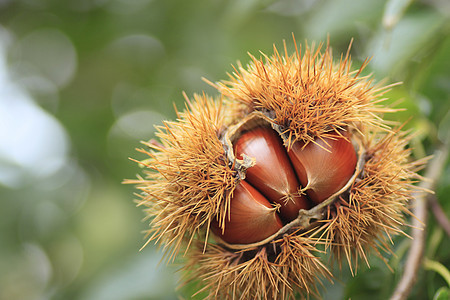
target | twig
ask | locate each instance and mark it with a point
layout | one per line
(415, 255)
(439, 214)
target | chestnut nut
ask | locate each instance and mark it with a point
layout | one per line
(282, 182)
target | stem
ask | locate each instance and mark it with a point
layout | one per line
(415, 256)
(439, 214)
(438, 268)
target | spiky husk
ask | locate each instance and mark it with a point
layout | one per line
(365, 219)
(307, 95)
(283, 269)
(188, 179)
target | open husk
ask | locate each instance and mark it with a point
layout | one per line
(191, 173)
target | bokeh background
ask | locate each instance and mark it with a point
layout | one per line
(83, 81)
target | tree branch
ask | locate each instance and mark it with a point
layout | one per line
(439, 214)
(415, 255)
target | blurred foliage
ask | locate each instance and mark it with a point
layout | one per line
(94, 76)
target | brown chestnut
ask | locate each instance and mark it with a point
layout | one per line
(251, 219)
(323, 166)
(272, 174)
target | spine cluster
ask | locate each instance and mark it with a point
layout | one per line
(292, 163)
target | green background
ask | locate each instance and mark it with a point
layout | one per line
(83, 81)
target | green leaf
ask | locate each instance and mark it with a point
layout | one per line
(442, 294)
